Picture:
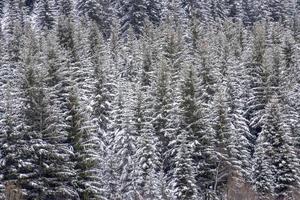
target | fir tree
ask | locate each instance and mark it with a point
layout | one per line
(235, 10)
(147, 155)
(282, 165)
(45, 16)
(98, 11)
(218, 11)
(8, 137)
(124, 146)
(87, 153)
(162, 106)
(153, 11)
(258, 76)
(183, 180)
(133, 14)
(13, 31)
(57, 86)
(1, 8)
(224, 132)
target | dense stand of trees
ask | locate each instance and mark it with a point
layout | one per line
(148, 99)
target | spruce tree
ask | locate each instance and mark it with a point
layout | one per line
(112, 160)
(1, 8)
(224, 132)
(124, 143)
(153, 11)
(103, 83)
(57, 87)
(97, 11)
(235, 11)
(89, 7)
(13, 31)
(45, 16)
(147, 154)
(218, 11)
(133, 14)
(249, 16)
(262, 173)
(162, 106)
(258, 76)
(8, 138)
(279, 155)
(85, 144)
(183, 180)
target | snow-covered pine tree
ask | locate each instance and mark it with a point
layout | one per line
(173, 59)
(11, 81)
(291, 85)
(161, 109)
(234, 10)
(86, 145)
(274, 10)
(274, 64)
(175, 55)
(65, 24)
(218, 11)
(103, 80)
(173, 52)
(90, 8)
(114, 41)
(188, 106)
(234, 78)
(149, 184)
(103, 86)
(97, 11)
(112, 170)
(45, 15)
(207, 75)
(153, 11)
(151, 54)
(55, 80)
(199, 132)
(224, 132)
(240, 141)
(262, 173)
(199, 91)
(8, 132)
(248, 15)
(183, 177)
(133, 15)
(130, 60)
(189, 110)
(82, 134)
(30, 144)
(65, 8)
(2, 108)
(257, 73)
(13, 31)
(2, 4)
(123, 144)
(278, 157)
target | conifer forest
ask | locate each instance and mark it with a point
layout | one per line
(149, 99)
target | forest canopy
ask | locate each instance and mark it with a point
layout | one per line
(149, 99)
